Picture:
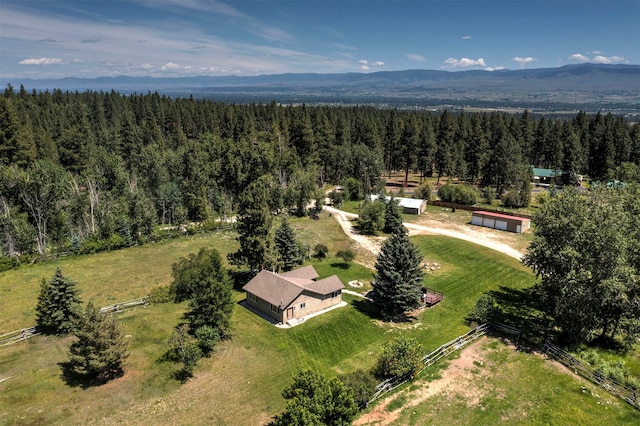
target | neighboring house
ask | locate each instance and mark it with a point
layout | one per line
(292, 295)
(409, 205)
(501, 222)
(546, 177)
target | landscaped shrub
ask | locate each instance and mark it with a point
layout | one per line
(488, 195)
(320, 251)
(515, 199)
(347, 255)
(484, 309)
(423, 192)
(362, 384)
(160, 294)
(459, 194)
(399, 358)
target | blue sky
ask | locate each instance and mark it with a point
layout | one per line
(170, 38)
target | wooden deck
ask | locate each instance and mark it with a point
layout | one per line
(431, 297)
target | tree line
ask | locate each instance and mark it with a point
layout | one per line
(94, 170)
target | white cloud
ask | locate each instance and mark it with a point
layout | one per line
(366, 65)
(598, 59)
(466, 37)
(416, 57)
(41, 61)
(607, 59)
(465, 63)
(169, 66)
(579, 57)
(523, 61)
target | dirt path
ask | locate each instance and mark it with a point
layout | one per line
(438, 228)
(455, 379)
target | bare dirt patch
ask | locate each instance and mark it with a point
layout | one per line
(456, 380)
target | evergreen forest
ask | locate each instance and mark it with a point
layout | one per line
(87, 171)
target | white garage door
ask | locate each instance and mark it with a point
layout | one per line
(489, 223)
(501, 225)
(476, 220)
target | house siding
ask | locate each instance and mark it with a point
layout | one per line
(264, 307)
(313, 303)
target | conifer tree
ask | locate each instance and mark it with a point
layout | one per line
(287, 246)
(212, 301)
(58, 308)
(392, 217)
(398, 275)
(254, 224)
(101, 349)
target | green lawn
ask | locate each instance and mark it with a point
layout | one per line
(241, 383)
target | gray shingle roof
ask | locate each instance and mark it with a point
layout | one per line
(282, 289)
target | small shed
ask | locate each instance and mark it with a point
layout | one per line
(409, 205)
(501, 222)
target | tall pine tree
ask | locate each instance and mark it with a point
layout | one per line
(392, 217)
(398, 276)
(287, 246)
(58, 308)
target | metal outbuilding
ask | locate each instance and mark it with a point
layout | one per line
(408, 205)
(501, 222)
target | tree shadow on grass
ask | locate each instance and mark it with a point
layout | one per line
(370, 309)
(75, 380)
(522, 309)
(341, 265)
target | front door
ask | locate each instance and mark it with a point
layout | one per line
(290, 313)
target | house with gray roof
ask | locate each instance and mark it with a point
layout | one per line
(291, 296)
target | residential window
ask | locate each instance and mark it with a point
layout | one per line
(252, 297)
(302, 305)
(275, 309)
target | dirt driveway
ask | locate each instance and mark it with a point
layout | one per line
(453, 230)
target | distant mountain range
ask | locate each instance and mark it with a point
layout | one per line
(570, 87)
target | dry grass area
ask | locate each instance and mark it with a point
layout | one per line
(490, 383)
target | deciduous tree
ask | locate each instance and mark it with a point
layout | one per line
(313, 399)
(399, 358)
(584, 250)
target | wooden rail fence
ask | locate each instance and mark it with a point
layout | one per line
(18, 335)
(585, 371)
(27, 333)
(580, 368)
(456, 344)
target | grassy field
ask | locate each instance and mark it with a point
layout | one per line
(490, 383)
(241, 383)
